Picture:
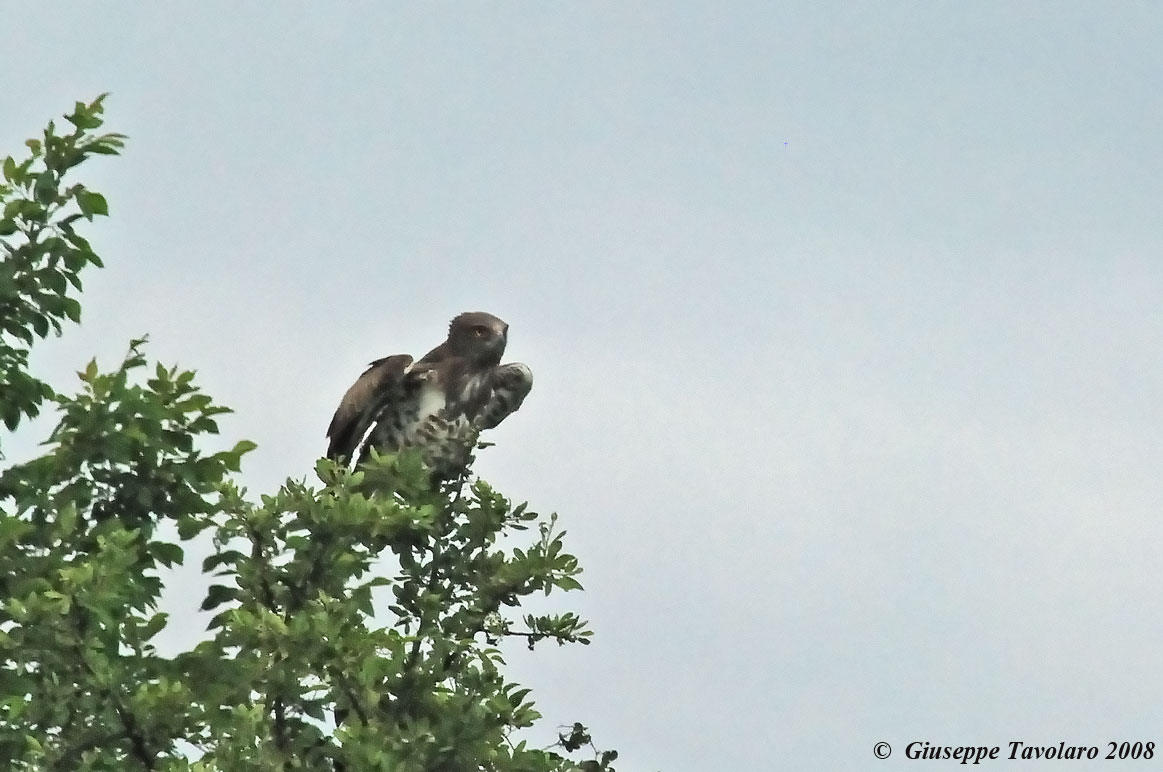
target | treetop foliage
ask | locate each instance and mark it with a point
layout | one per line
(356, 620)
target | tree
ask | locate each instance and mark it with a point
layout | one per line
(298, 673)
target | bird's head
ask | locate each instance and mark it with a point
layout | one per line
(479, 337)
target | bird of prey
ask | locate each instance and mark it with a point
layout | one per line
(439, 404)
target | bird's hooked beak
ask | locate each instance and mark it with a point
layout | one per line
(502, 340)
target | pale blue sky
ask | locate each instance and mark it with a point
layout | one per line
(845, 321)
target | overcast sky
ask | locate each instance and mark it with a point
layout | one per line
(845, 319)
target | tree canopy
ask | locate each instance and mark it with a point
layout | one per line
(357, 618)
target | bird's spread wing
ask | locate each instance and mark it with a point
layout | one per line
(510, 384)
(382, 382)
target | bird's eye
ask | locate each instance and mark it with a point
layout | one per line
(480, 331)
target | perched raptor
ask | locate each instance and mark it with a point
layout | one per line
(439, 404)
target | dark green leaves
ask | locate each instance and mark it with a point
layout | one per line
(217, 595)
(166, 554)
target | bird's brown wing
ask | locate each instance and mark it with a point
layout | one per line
(362, 402)
(508, 386)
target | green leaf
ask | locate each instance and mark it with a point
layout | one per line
(91, 203)
(12, 529)
(75, 259)
(55, 281)
(568, 583)
(154, 625)
(231, 459)
(45, 189)
(189, 527)
(166, 553)
(217, 595)
(83, 118)
(221, 558)
(72, 309)
(243, 447)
